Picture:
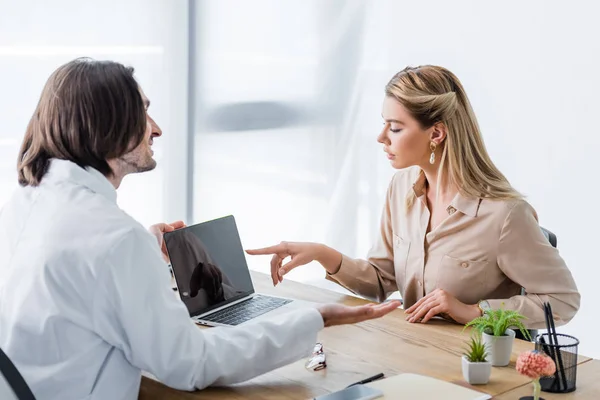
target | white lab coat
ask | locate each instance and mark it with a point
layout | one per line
(86, 302)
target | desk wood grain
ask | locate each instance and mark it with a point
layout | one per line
(389, 345)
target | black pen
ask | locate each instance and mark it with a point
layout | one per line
(371, 379)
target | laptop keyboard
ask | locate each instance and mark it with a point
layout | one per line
(246, 310)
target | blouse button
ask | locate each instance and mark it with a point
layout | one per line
(451, 210)
(464, 265)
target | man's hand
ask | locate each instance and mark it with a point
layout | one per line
(441, 302)
(338, 314)
(159, 229)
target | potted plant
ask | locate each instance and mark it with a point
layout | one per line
(475, 366)
(494, 325)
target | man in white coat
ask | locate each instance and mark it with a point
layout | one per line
(85, 297)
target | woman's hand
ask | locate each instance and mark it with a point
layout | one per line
(301, 253)
(441, 302)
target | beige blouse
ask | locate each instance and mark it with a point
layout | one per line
(484, 250)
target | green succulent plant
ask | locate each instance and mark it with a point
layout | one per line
(476, 351)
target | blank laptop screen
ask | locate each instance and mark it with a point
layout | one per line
(209, 264)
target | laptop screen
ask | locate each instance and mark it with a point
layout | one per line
(209, 264)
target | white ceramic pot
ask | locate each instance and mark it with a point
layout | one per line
(499, 348)
(476, 373)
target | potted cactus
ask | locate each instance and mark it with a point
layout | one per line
(475, 366)
(495, 326)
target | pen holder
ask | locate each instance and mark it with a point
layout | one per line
(564, 354)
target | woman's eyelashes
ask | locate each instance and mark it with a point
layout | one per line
(394, 130)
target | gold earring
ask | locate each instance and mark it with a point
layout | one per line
(432, 157)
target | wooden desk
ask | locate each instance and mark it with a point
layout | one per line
(389, 345)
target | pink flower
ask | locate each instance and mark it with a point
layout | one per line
(535, 364)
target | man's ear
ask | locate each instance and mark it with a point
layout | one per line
(438, 133)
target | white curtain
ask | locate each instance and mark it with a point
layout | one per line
(288, 108)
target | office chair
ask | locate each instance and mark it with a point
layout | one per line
(12, 384)
(551, 237)
(554, 243)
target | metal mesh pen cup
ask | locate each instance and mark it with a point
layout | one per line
(564, 354)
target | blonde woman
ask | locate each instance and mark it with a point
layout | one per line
(455, 237)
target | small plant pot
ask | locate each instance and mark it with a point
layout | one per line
(476, 373)
(499, 347)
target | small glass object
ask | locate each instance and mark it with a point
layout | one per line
(317, 361)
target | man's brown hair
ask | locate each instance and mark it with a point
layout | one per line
(89, 111)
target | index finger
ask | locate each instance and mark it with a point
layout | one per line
(177, 224)
(265, 250)
(372, 311)
(385, 308)
(418, 303)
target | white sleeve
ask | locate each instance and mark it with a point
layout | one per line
(136, 311)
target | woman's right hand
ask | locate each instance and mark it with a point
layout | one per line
(301, 253)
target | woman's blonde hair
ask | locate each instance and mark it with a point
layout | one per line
(433, 94)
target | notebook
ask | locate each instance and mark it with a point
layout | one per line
(413, 386)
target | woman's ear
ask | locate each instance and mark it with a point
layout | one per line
(438, 133)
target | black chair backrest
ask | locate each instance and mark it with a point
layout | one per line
(14, 378)
(551, 237)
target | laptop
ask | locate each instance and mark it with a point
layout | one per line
(212, 276)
